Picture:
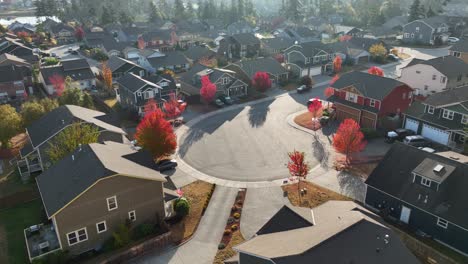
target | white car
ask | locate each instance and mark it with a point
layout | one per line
(453, 40)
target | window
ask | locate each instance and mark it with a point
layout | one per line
(464, 119)
(425, 182)
(442, 223)
(418, 72)
(77, 236)
(101, 227)
(351, 97)
(112, 203)
(406, 35)
(443, 79)
(417, 29)
(224, 80)
(426, 87)
(459, 78)
(132, 215)
(434, 77)
(148, 95)
(420, 36)
(372, 102)
(447, 114)
(456, 54)
(430, 109)
(142, 73)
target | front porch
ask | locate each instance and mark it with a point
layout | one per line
(28, 165)
(41, 240)
(457, 141)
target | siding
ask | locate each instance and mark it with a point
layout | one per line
(424, 30)
(143, 196)
(394, 102)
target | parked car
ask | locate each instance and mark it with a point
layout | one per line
(393, 57)
(303, 88)
(53, 54)
(226, 100)
(74, 52)
(166, 164)
(453, 40)
(427, 149)
(218, 103)
(417, 141)
(398, 134)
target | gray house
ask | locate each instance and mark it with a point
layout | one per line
(238, 28)
(428, 31)
(246, 69)
(309, 58)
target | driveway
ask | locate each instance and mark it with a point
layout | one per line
(202, 248)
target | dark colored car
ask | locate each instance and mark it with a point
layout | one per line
(303, 88)
(218, 103)
(166, 164)
(417, 141)
(398, 135)
(226, 99)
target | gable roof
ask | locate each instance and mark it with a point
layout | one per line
(246, 39)
(75, 173)
(449, 66)
(134, 83)
(309, 49)
(12, 73)
(278, 43)
(197, 52)
(369, 85)
(170, 58)
(115, 62)
(157, 34)
(57, 119)
(394, 176)
(287, 218)
(6, 59)
(449, 97)
(74, 64)
(268, 64)
(460, 46)
(435, 21)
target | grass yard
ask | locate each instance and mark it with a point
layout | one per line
(228, 252)
(11, 183)
(12, 223)
(197, 193)
(315, 195)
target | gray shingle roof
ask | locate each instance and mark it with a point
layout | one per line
(197, 52)
(115, 62)
(309, 49)
(278, 43)
(416, 110)
(75, 64)
(393, 176)
(268, 64)
(134, 83)
(12, 73)
(450, 97)
(369, 85)
(435, 21)
(171, 58)
(460, 46)
(246, 39)
(450, 66)
(75, 173)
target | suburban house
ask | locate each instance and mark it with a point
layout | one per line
(308, 59)
(141, 56)
(348, 52)
(13, 83)
(133, 91)
(441, 117)
(120, 66)
(105, 188)
(239, 28)
(77, 69)
(225, 81)
(435, 75)
(213, 24)
(423, 191)
(238, 46)
(14, 46)
(163, 40)
(7, 59)
(63, 33)
(342, 30)
(128, 33)
(170, 60)
(33, 157)
(246, 69)
(373, 101)
(200, 53)
(303, 235)
(275, 46)
(299, 34)
(427, 31)
(460, 50)
(17, 27)
(98, 38)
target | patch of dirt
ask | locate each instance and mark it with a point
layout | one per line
(362, 170)
(314, 197)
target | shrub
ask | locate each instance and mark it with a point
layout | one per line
(231, 220)
(144, 230)
(234, 227)
(237, 215)
(369, 133)
(182, 207)
(121, 236)
(227, 232)
(51, 61)
(221, 246)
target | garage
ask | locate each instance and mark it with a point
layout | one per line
(343, 112)
(435, 134)
(363, 59)
(313, 71)
(412, 124)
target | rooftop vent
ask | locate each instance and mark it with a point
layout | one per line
(438, 168)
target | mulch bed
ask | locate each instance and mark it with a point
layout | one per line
(314, 196)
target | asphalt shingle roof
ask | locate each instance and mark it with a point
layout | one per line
(12, 73)
(115, 62)
(197, 52)
(246, 39)
(450, 66)
(416, 110)
(453, 96)
(278, 43)
(75, 173)
(171, 58)
(134, 83)
(460, 46)
(268, 64)
(75, 64)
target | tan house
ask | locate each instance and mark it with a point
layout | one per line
(89, 193)
(460, 50)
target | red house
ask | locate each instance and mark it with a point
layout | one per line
(369, 99)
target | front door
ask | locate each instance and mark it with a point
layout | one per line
(405, 214)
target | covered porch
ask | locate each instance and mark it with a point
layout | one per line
(457, 140)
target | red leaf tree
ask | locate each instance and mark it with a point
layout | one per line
(279, 57)
(79, 33)
(208, 89)
(261, 81)
(334, 79)
(337, 63)
(151, 106)
(376, 71)
(299, 168)
(329, 91)
(155, 134)
(58, 82)
(316, 109)
(173, 107)
(349, 138)
(345, 38)
(141, 43)
(107, 76)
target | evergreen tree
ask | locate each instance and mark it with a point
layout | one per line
(415, 11)
(430, 12)
(40, 8)
(153, 15)
(105, 16)
(233, 15)
(124, 18)
(190, 12)
(240, 9)
(294, 11)
(179, 10)
(200, 6)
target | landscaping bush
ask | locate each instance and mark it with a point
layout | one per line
(182, 207)
(234, 227)
(236, 215)
(51, 61)
(121, 236)
(231, 220)
(369, 133)
(227, 232)
(221, 246)
(143, 230)
(325, 113)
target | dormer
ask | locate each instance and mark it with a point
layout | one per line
(431, 173)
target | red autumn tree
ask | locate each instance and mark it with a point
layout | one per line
(58, 82)
(299, 168)
(107, 76)
(151, 106)
(315, 108)
(337, 62)
(79, 33)
(349, 138)
(376, 71)
(155, 134)
(261, 81)
(329, 91)
(279, 57)
(345, 38)
(208, 89)
(334, 79)
(173, 107)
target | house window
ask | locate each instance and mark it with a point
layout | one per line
(425, 182)
(224, 80)
(426, 87)
(456, 54)
(132, 215)
(418, 72)
(142, 73)
(442, 223)
(351, 97)
(101, 227)
(372, 102)
(434, 77)
(412, 35)
(148, 95)
(443, 79)
(417, 29)
(77, 236)
(112, 203)
(407, 35)
(430, 109)
(447, 114)
(464, 119)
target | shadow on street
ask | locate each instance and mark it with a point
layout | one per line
(258, 113)
(352, 186)
(320, 152)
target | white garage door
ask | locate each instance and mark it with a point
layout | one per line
(412, 124)
(313, 71)
(435, 134)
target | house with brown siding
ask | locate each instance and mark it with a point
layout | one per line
(369, 99)
(460, 50)
(92, 191)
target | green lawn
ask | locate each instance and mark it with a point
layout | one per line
(13, 221)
